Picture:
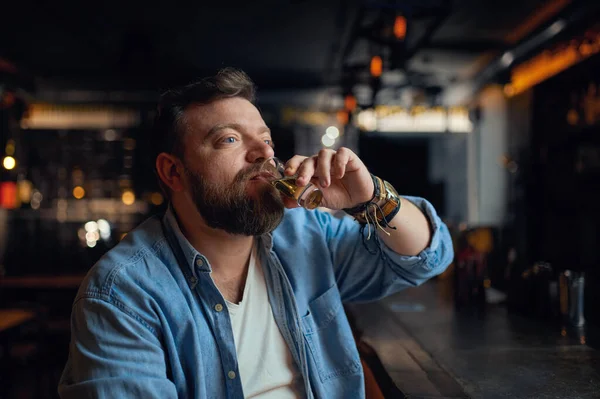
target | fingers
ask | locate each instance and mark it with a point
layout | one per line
(293, 163)
(326, 165)
(303, 167)
(306, 171)
(341, 159)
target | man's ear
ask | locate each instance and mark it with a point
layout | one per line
(169, 171)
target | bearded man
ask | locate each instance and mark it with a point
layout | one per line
(232, 292)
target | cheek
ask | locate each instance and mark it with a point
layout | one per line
(219, 168)
(224, 177)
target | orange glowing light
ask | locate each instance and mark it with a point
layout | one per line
(572, 117)
(400, 27)
(549, 63)
(78, 192)
(350, 103)
(376, 66)
(128, 197)
(586, 49)
(156, 198)
(342, 117)
(8, 195)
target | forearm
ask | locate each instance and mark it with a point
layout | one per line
(413, 230)
(408, 258)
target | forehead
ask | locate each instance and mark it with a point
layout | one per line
(201, 118)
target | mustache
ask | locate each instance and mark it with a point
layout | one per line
(255, 169)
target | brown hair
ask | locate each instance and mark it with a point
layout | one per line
(169, 123)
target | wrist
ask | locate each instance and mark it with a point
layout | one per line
(363, 205)
(381, 208)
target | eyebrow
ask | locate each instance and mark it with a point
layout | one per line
(235, 126)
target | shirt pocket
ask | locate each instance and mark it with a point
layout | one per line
(329, 337)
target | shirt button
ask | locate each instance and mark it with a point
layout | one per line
(218, 308)
(199, 262)
(231, 375)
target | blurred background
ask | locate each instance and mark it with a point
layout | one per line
(490, 110)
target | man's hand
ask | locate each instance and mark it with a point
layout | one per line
(341, 175)
(346, 182)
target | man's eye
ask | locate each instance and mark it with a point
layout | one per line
(269, 142)
(229, 140)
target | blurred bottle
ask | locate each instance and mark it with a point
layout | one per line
(572, 290)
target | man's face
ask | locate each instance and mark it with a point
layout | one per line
(225, 145)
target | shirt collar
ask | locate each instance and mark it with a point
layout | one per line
(192, 258)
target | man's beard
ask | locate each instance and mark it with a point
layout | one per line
(230, 208)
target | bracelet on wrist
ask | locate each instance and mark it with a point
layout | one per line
(382, 207)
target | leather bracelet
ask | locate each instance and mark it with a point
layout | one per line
(382, 207)
(361, 207)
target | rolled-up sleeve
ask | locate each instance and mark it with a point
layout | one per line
(436, 257)
(365, 276)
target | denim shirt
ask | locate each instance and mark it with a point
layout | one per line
(149, 322)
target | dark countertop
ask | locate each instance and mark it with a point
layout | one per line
(431, 350)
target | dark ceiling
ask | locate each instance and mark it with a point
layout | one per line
(119, 44)
(283, 44)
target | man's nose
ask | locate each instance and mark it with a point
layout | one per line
(259, 151)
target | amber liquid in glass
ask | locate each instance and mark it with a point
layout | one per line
(308, 197)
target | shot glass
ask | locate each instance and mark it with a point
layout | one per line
(308, 197)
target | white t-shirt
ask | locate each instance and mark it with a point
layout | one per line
(265, 362)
